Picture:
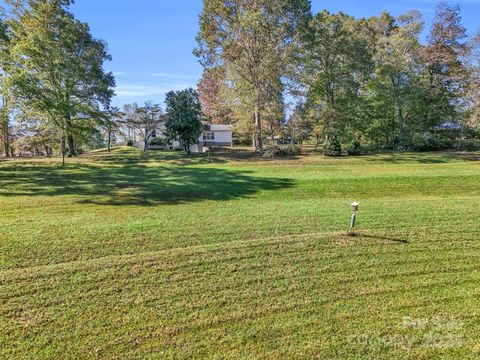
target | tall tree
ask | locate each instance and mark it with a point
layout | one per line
(184, 117)
(59, 65)
(211, 90)
(250, 39)
(5, 125)
(445, 75)
(393, 89)
(144, 120)
(334, 61)
(473, 93)
(111, 124)
(6, 95)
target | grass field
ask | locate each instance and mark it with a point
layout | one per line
(129, 256)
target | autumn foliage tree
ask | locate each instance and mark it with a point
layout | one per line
(211, 90)
(250, 40)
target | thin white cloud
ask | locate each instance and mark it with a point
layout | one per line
(172, 76)
(129, 91)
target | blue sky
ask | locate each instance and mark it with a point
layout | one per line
(151, 41)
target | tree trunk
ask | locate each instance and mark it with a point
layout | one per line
(63, 149)
(5, 132)
(6, 145)
(399, 112)
(70, 139)
(401, 122)
(258, 131)
(109, 146)
(429, 100)
(317, 143)
(71, 146)
(47, 150)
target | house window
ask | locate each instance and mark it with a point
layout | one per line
(208, 135)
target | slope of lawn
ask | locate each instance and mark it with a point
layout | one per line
(133, 256)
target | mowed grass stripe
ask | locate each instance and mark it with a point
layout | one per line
(241, 262)
(152, 233)
(367, 239)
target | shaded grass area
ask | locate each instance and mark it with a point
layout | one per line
(164, 256)
(133, 184)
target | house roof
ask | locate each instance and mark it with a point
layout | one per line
(218, 127)
(449, 125)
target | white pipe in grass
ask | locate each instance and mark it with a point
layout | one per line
(355, 206)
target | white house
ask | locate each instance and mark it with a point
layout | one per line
(213, 135)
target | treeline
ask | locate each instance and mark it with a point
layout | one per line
(272, 68)
(352, 80)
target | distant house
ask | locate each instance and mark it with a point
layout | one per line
(450, 129)
(215, 135)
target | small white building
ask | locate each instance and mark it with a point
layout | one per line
(215, 135)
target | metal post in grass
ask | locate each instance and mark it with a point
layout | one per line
(209, 145)
(351, 231)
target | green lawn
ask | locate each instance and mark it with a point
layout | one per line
(133, 256)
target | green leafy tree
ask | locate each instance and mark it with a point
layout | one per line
(473, 91)
(59, 66)
(6, 94)
(144, 121)
(303, 124)
(184, 117)
(394, 90)
(36, 135)
(334, 63)
(252, 41)
(111, 124)
(445, 75)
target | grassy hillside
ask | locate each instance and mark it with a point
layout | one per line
(126, 255)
